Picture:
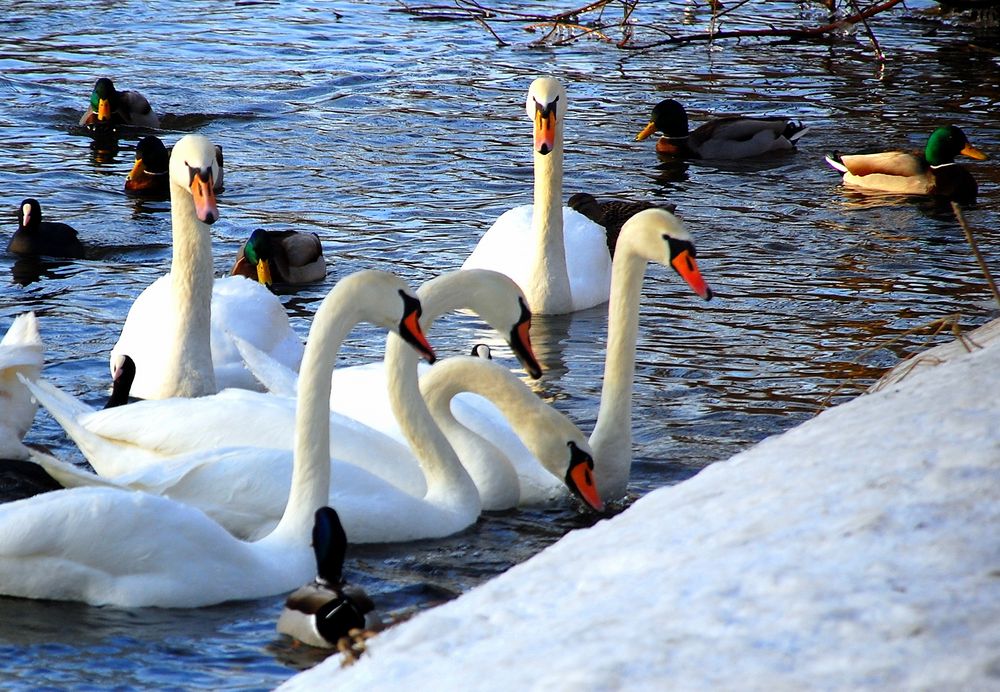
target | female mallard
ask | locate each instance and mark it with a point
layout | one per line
(110, 107)
(728, 137)
(611, 214)
(284, 257)
(150, 175)
(931, 172)
(326, 609)
(36, 237)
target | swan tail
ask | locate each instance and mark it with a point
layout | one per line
(279, 379)
(68, 411)
(70, 475)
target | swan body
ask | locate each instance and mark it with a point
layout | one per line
(36, 237)
(20, 353)
(654, 235)
(109, 107)
(178, 329)
(326, 609)
(728, 137)
(107, 546)
(932, 172)
(284, 257)
(556, 255)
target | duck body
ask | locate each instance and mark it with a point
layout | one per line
(283, 257)
(932, 172)
(150, 173)
(47, 238)
(110, 107)
(611, 214)
(727, 137)
(328, 608)
(557, 256)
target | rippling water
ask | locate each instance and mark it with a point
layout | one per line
(399, 141)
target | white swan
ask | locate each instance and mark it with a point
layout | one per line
(107, 546)
(556, 255)
(20, 352)
(118, 443)
(177, 330)
(245, 488)
(654, 235)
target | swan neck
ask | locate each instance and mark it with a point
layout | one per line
(550, 289)
(611, 440)
(446, 478)
(310, 486)
(189, 371)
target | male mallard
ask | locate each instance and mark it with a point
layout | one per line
(931, 172)
(728, 137)
(110, 107)
(36, 237)
(611, 214)
(150, 174)
(288, 257)
(323, 611)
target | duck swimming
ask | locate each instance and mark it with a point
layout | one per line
(932, 172)
(327, 608)
(284, 257)
(150, 175)
(727, 137)
(36, 237)
(110, 107)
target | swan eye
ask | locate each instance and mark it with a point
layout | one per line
(678, 246)
(411, 305)
(194, 171)
(548, 110)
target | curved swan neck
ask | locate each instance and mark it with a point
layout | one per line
(550, 289)
(189, 371)
(310, 488)
(447, 480)
(611, 440)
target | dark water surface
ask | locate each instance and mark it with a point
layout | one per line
(399, 141)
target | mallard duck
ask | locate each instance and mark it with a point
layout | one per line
(326, 609)
(36, 237)
(284, 257)
(931, 172)
(611, 214)
(151, 174)
(110, 107)
(728, 137)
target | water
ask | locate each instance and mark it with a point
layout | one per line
(399, 141)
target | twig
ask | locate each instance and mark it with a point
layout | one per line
(957, 209)
(879, 55)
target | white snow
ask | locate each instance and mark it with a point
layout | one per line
(860, 550)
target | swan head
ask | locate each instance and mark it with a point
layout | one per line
(377, 295)
(546, 107)
(497, 299)
(659, 236)
(195, 168)
(580, 475)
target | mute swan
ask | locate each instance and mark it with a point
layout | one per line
(110, 107)
(557, 256)
(930, 172)
(654, 235)
(177, 331)
(107, 546)
(148, 433)
(284, 257)
(20, 352)
(326, 609)
(122, 376)
(728, 137)
(36, 237)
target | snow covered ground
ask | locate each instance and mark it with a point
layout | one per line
(860, 550)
